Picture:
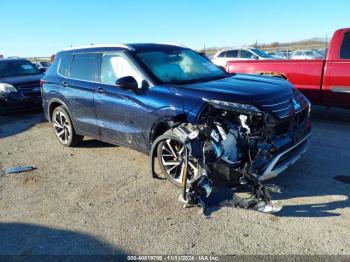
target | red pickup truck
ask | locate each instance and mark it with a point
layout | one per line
(324, 82)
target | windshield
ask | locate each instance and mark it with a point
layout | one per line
(180, 66)
(17, 67)
(260, 53)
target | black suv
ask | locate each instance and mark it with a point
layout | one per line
(19, 85)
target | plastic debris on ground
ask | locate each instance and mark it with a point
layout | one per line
(19, 169)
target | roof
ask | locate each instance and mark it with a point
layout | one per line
(13, 59)
(237, 48)
(99, 46)
(130, 47)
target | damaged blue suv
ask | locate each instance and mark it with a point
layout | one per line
(130, 95)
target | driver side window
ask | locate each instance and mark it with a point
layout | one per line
(246, 54)
(115, 66)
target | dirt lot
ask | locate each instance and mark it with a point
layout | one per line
(99, 199)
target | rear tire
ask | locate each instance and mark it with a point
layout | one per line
(63, 128)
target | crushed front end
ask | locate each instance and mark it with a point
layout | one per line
(244, 136)
(252, 143)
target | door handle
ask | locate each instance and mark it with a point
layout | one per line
(100, 90)
(65, 84)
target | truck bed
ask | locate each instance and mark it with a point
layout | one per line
(305, 75)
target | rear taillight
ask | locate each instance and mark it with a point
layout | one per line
(42, 81)
(52, 58)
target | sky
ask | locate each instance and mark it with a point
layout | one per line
(43, 27)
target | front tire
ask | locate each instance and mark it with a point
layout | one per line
(63, 128)
(170, 154)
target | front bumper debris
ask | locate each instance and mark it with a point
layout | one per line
(285, 159)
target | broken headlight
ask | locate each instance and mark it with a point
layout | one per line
(7, 88)
(231, 106)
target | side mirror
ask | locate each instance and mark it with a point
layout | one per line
(127, 83)
(42, 70)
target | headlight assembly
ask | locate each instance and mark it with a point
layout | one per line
(7, 88)
(230, 106)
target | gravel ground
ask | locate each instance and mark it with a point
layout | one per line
(99, 199)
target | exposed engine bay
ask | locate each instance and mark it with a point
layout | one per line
(244, 146)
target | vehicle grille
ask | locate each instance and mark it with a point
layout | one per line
(27, 85)
(287, 106)
(291, 123)
(31, 94)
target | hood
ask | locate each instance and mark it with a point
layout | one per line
(252, 89)
(19, 80)
(270, 94)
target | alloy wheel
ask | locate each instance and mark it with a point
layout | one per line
(62, 127)
(172, 159)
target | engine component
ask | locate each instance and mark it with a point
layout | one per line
(232, 143)
(243, 119)
(217, 145)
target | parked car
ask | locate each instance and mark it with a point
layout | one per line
(44, 65)
(323, 81)
(306, 54)
(19, 85)
(130, 95)
(278, 54)
(323, 52)
(243, 53)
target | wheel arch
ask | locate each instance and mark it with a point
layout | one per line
(54, 103)
(163, 125)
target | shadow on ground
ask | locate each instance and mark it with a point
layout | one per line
(28, 239)
(17, 123)
(318, 184)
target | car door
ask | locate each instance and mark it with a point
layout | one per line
(123, 116)
(246, 55)
(336, 88)
(231, 55)
(79, 87)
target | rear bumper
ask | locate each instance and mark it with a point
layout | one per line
(285, 159)
(16, 101)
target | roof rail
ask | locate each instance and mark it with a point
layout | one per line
(99, 46)
(174, 44)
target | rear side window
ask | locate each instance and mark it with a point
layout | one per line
(64, 64)
(222, 54)
(345, 47)
(232, 53)
(85, 66)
